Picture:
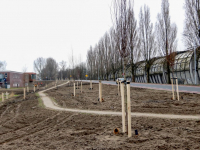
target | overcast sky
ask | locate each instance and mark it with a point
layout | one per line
(52, 28)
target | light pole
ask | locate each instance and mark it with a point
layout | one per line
(195, 75)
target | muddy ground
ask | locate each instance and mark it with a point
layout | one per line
(142, 100)
(26, 125)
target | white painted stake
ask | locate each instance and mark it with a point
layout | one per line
(2, 97)
(123, 109)
(27, 89)
(34, 88)
(129, 109)
(177, 89)
(81, 86)
(172, 89)
(100, 91)
(74, 89)
(24, 93)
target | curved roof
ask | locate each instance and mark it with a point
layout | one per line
(182, 61)
(157, 66)
(199, 63)
(140, 70)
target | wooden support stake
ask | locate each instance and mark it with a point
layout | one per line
(177, 89)
(77, 85)
(46, 86)
(129, 109)
(90, 84)
(74, 89)
(118, 89)
(100, 91)
(81, 86)
(123, 109)
(34, 88)
(2, 97)
(24, 93)
(27, 89)
(6, 95)
(172, 88)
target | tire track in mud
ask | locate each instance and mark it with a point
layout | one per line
(4, 112)
(16, 114)
(26, 134)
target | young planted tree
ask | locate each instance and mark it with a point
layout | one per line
(121, 8)
(133, 40)
(146, 38)
(166, 35)
(25, 76)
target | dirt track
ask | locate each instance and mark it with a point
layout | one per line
(25, 125)
(142, 100)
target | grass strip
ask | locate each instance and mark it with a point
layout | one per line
(40, 102)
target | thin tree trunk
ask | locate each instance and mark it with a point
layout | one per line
(133, 70)
(125, 95)
(147, 70)
(168, 73)
(113, 76)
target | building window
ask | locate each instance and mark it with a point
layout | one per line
(15, 76)
(15, 84)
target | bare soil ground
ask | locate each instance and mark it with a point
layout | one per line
(142, 100)
(25, 125)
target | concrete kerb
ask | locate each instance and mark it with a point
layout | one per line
(50, 105)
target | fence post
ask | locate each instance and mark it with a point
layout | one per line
(172, 88)
(100, 92)
(6, 95)
(118, 89)
(81, 86)
(90, 84)
(129, 109)
(74, 89)
(123, 109)
(2, 97)
(24, 93)
(177, 88)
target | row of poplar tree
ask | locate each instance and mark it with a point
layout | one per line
(129, 40)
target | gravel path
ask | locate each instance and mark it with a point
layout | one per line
(51, 105)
